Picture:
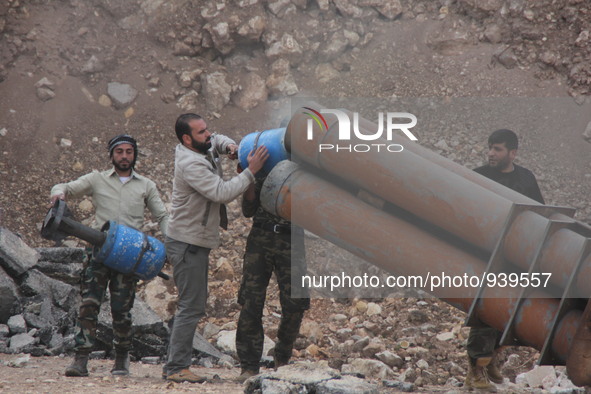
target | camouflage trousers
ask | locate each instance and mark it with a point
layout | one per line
(96, 277)
(482, 342)
(268, 252)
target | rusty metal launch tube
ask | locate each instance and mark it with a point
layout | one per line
(464, 207)
(367, 232)
(454, 167)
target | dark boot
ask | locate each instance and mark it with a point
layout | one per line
(121, 366)
(78, 366)
(245, 374)
(279, 361)
(287, 334)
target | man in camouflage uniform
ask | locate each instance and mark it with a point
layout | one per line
(118, 194)
(273, 245)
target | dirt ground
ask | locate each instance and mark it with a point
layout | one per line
(405, 58)
(46, 375)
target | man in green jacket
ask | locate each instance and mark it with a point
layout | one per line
(122, 195)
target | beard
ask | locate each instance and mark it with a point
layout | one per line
(123, 165)
(501, 164)
(202, 147)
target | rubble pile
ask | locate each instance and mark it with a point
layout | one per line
(398, 343)
(40, 300)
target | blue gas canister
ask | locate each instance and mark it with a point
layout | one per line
(272, 139)
(130, 251)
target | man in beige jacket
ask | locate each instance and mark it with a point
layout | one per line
(198, 197)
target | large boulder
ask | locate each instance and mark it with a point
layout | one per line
(287, 47)
(216, 90)
(16, 257)
(121, 94)
(226, 341)
(22, 343)
(150, 333)
(308, 377)
(40, 312)
(17, 325)
(281, 81)
(253, 92)
(9, 294)
(62, 294)
(63, 264)
(61, 255)
(221, 36)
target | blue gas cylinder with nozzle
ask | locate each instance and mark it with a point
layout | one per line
(130, 251)
(272, 139)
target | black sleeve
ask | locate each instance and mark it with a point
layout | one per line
(249, 208)
(529, 184)
(482, 170)
(534, 192)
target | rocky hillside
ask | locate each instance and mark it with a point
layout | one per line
(240, 62)
(73, 73)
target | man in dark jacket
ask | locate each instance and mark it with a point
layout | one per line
(483, 341)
